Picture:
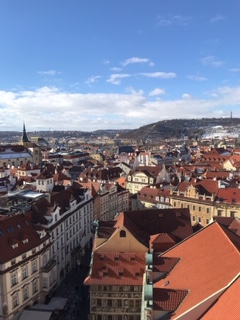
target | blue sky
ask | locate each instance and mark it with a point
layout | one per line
(117, 64)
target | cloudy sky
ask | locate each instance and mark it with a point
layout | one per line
(117, 64)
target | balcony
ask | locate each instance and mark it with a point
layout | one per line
(48, 267)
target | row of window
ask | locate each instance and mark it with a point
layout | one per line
(117, 317)
(24, 272)
(191, 207)
(118, 288)
(25, 293)
(119, 303)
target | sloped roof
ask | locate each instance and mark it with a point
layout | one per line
(228, 195)
(175, 222)
(227, 306)
(117, 269)
(161, 264)
(168, 299)
(14, 230)
(171, 225)
(209, 262)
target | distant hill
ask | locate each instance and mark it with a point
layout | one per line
(180, 128)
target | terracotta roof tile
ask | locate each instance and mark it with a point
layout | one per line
(227, 306)
(14, 230)
(161, 264)
(209, 262)
(117, 269)
(168, 299)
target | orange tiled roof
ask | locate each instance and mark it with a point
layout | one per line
(228, 195)
(161, 264)
(209, 262)
(117, 269)
(227, 306)
(168, 299)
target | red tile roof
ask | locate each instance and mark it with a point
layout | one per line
(227, 306)
(161, 264)
(168, 299)
(14, 230)
(117, 269)
(209, 262)
(228, 195)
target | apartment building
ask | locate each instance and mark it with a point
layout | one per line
(28, 272)
(67, 216)
(119, 258)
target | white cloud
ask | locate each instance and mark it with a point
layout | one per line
(156, 92)
(116, 69)
(217, 18)
(106, 62)
(211, 61)
(49, 73)
(50, 107)
(234, 70)
(161, 75)
(186, 96)
(197, 78)
(169, 20)
(93, 79)
(116, 77)
(137, 60)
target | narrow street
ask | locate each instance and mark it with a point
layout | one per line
(72, 288)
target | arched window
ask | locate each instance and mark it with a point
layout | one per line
(122, 234)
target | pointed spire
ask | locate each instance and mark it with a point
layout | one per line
(24, 136)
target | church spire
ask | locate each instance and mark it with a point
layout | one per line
(24, 135)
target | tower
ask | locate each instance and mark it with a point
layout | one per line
(24, 141)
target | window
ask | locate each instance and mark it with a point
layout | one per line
(13, 262)
(44, 260)
(34, 266)
(119, 303)
(25, 293)
(99, 302)
(45, 282)
(24, 272)
(193, 208)
(14, 278)
(232, 214)
(208, 210)
(199, 219)
(109, 303)
(219, 213)
(199, 209)
(35, 286)
(15, 301)
(122, 234)
(207, 221)
(193, 218)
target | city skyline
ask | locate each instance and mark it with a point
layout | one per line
(88, 65)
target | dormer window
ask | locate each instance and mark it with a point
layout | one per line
(122, 234)
(14, 246)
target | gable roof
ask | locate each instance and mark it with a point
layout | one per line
(171, 225)
(209, 263)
